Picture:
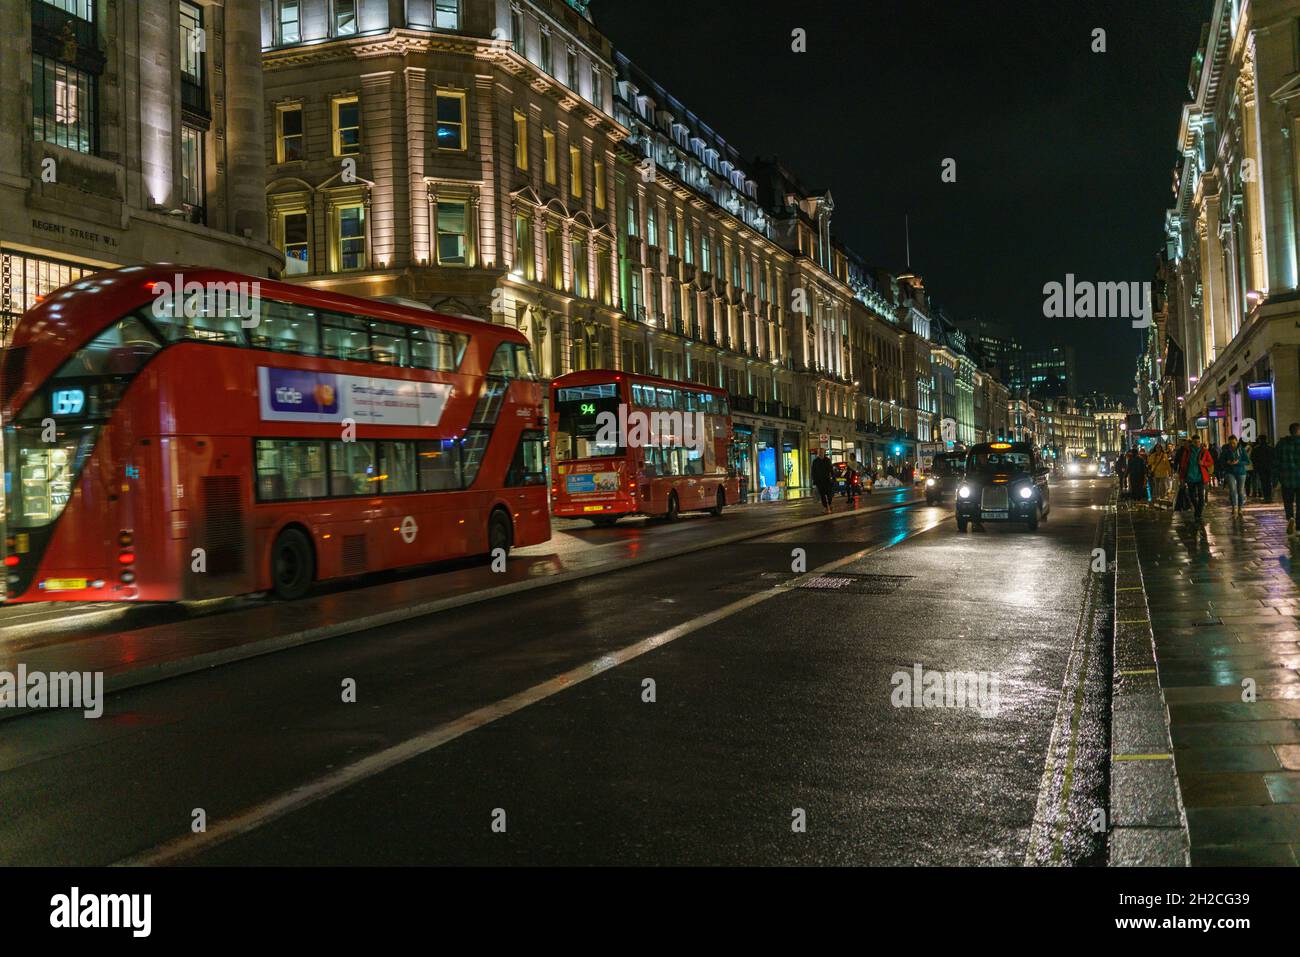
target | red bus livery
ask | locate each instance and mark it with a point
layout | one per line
(603, 473)
(156, 451)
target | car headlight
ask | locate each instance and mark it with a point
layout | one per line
(930, 482)
(964, 491)
(1026, 491)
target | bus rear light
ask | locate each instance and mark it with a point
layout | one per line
(127, 577)
(11, 560)
(98, 583)
(124, 538)
(126, 558)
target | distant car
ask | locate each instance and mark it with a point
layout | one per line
(1082, 468)
(1004, 482)
(945, 476)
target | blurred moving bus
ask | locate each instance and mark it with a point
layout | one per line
(603, 474)
(162, 449)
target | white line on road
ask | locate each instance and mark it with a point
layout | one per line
(180, 848)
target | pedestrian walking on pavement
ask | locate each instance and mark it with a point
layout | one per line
(1195, 468)
(1233, 460)
(852, 486)
(1137, 476)
(1286, 462)
(821, 478)
(1162, 471)
(1262, 455)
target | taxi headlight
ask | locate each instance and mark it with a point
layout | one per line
(1026, 492)
(964, 491)
(929, 482)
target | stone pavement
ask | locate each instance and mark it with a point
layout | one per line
(1224, 605)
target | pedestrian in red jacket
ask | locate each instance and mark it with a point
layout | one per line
(1195, 467)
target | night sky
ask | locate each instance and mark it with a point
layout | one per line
(1064, 156)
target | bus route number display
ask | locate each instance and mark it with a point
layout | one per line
(67, 401)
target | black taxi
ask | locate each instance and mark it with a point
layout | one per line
(945, 475)
(1004, 482)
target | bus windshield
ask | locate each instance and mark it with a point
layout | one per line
(577, 412)
(56, 430)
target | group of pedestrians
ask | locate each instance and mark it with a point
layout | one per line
(823, 479)
(1180, 476)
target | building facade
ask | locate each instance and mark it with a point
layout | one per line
(129, 132)
(1231, 234)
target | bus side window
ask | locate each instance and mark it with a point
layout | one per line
(388, 344)
(529, 465)
(353, 470)
(344, 337)
(439, 464)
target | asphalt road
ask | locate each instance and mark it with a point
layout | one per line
(519, 732)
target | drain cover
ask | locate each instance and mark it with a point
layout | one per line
(858, 584)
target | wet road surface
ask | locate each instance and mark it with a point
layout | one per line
(522, 731)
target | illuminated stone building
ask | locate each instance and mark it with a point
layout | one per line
(129, 132)
(1232, 231)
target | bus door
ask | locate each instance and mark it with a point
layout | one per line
(211, 512)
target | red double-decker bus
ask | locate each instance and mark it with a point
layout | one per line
(241, 435)
(668, 451)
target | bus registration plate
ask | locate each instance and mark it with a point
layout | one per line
(65, 584)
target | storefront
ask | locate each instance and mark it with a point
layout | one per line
(769, 460)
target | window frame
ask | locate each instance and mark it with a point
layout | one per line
(337, 129)
(337, 239)
(462, 124)
(281, 137)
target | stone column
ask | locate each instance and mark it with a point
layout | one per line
(245, 160)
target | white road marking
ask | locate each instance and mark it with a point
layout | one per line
(258, 815)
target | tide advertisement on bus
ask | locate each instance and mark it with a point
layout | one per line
(597, 480)
(304, 395)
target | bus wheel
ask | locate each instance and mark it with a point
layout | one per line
(292, 565)
(722, 501)
(500, 534)
(671, 514)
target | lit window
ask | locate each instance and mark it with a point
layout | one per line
(524, 247)
(451, 121)
(289, 32)
(517, 32)
(651, 225)
(453, 237)
(548, 140)
(446, 14)
(347, 126)
(578, 253)
(192, 168)
(345, 17)
(193, 43)
(294, 244)
(521, 140)
(548, 61)
(600, 184)
(289, 133)
(350, 225)
(575, 172)
(63, 105)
